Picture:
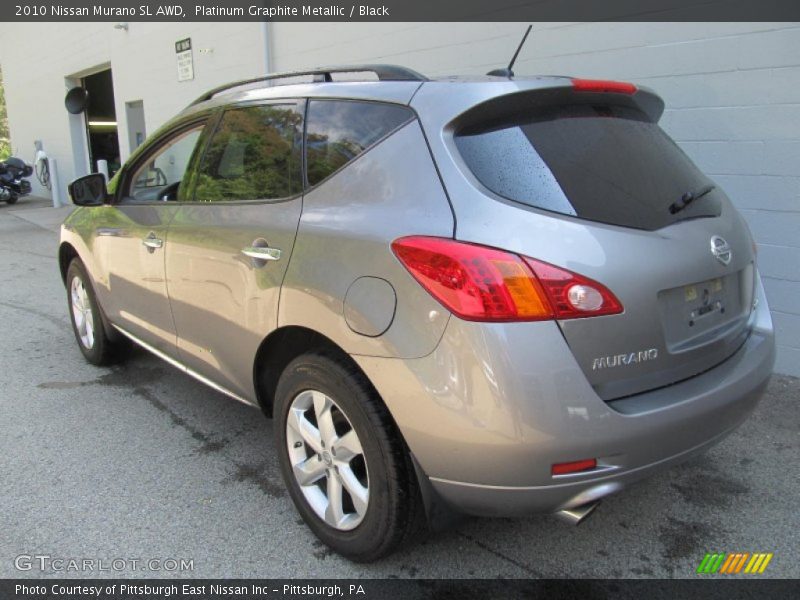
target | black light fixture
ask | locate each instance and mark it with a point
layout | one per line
(77, 100)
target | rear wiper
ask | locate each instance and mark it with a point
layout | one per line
(688, 198)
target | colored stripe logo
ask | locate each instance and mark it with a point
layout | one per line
(734, 562)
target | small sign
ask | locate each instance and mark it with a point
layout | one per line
(183, 51)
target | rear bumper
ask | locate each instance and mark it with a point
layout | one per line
(486, 500)
(495, 405)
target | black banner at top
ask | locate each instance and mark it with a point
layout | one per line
(399, 10)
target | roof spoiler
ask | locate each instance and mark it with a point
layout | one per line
(497, 109)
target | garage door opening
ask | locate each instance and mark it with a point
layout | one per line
(101, 121)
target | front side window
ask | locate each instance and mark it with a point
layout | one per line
(253, 155)
(160, 176)
(340, 130)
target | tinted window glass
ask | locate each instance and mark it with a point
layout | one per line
(253, 155)
(601, 163)
(339, 130)
(164, 170)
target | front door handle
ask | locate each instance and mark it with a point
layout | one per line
(111, 232)
(152, 242)
(262, 253)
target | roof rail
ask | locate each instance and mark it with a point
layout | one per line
(324, 74)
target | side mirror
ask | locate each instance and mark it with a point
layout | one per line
(89, 190)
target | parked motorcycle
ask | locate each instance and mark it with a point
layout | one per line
(13, 184)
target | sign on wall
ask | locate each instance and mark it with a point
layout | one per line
(183, 51)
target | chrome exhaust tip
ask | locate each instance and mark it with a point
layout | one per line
(578, 514)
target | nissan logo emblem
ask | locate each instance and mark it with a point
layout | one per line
(721, 250)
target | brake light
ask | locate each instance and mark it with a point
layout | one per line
(478, 283)
(575, 466)
(474, 282)
(603, 86)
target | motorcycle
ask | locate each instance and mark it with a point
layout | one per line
(13, 186)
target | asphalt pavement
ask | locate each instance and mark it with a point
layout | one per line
(141, 462)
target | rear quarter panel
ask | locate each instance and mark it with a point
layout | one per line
(345, 233)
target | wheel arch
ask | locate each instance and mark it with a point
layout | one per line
(66, 253)
(280, 348)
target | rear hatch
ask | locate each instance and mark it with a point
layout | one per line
(651, 227)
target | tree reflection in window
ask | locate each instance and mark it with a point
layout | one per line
(340, 130)
(253, 155)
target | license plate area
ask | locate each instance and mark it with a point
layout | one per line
(703, 311)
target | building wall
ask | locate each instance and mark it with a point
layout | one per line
(732, 92)
(39, 59)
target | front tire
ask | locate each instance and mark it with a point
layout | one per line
(343, 459)
(12, 199)
(87, 322)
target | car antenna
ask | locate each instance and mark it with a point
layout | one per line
(507, 72)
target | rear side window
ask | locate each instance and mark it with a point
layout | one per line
(337, 131)
(601, 163)
(254, 154)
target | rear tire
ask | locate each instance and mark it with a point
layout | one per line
(87, 321)
(364, 501)
(12, 200)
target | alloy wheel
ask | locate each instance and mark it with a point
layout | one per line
(327, 460)
(82, 313)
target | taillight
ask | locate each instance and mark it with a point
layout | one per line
(474, 282)
(478, 283)
(603, 86)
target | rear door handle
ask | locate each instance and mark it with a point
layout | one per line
(262, 253)
(152, 242)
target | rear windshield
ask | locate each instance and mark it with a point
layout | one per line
(601, 163)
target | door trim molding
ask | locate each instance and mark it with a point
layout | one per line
(182, 367)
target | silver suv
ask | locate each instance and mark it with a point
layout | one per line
(485, 296)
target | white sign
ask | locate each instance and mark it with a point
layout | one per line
(183, 51)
